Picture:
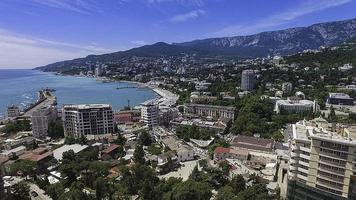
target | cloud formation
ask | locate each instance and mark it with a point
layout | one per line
(187, 16)
(17, 51)
(307, 7)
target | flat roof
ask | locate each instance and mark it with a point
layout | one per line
(86, 106)
(58, 153)
(339, 96)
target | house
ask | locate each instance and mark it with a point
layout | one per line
(39, 155)
(222, 153)
(254, 144)
(111, 150)
(183, 151)
(58, 153)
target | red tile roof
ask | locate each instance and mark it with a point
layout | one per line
(219, 150)
(111, 148)
(253, 143)
(36, 155)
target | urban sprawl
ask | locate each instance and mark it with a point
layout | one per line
(264, 128)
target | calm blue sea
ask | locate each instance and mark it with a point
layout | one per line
(19, 87)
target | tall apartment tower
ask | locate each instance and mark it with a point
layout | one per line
(40, 120)
(150, 113)
(287, 87)
(322, 161)
(247, 80)
(90, 120)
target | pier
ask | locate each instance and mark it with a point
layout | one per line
(46, 98)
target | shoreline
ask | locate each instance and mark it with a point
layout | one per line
(166, 97)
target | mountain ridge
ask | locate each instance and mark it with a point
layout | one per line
(280, 42)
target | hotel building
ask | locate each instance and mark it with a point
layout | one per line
(213, 111)
(323, 161)
(150, 113)
(90, 120)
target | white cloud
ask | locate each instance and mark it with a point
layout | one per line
(187, 16)
(18, 51)
(79, 6)
(307, 7)
(139, 42)
(194, 2)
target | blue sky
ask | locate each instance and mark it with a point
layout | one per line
(38, 32)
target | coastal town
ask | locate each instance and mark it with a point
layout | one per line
(247, 129)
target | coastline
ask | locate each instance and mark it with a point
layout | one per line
(166, 97)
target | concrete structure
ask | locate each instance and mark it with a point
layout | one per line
(15, 151)
(90, 120)
(98, 71)
(322, 161)
(339, 99)
(204, 110)
(198, 98)
(183, 151)
(150, 113)
(287, 87)
(253, 144)
(40, 120)
(222, 153)
(58, 153)
(247, 80)
(296, 106)
(13, 111)
(39, 155)
(166, 114)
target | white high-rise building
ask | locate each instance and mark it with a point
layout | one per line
(13, 111)
(40, 120)
(287, 87)
(247, 80)
(90, 120)
(322, 161)
(150, 113)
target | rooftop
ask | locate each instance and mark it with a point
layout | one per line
(110, 148)
(339, 96)
(254, 143)
(58, 153)
(86, 106)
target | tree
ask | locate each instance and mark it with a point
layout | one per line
(55, 190)
(225, 167)
(145, 138)
(70, 139)
(27, 167)
(225, 193)
(120, 140)
(238, 184)
(257, 191)
(55, 129)
(139, 155)
(196, 175)
(20, 191)
(69, 167)
(332, 115)
(101, 188)
(191, 190)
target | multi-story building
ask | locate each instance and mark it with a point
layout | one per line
(322, 164)
(13, 111)
(287, 87)
(296, 106)
(40, 120)
(213, 111)
(247, 80)
(339, 99)
(150, 113)
(90, 120)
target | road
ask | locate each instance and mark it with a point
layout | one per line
(39, 191)
(33, 187)
(49, 101)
